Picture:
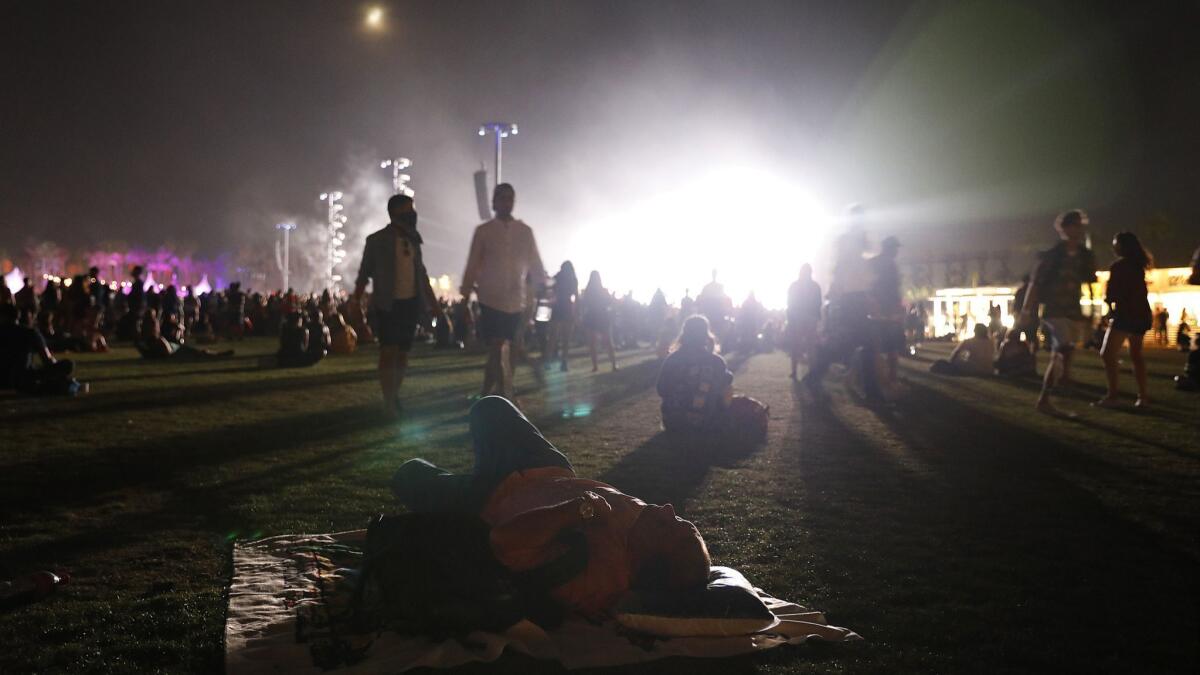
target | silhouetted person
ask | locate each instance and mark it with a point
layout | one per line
(596, 305)
(848, 323)
(319, 339)
(294, 349)
(400, 293)
(502, 263)
(26, 298)
(1162, 323)
(1060, 273)
(715, 305)
(695, 385)
(1130, 315)
(562, 313)
(887, 306)
(803, 316)
(235, 310)
(19, 346)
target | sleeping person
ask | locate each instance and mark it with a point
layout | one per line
(527, 492)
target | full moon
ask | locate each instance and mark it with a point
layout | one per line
(374, 17)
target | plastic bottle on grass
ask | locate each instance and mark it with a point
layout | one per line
(31, 588)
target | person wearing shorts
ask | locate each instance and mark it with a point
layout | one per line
(1057, 282)
(400, 294)
(502, 264)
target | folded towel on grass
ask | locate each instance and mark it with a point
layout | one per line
(288, 591)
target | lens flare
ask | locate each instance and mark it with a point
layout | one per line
(753, 227)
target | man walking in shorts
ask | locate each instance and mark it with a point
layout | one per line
(503, 260)
(1057, 286)
(400, 294)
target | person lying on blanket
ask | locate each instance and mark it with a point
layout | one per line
(527, 492)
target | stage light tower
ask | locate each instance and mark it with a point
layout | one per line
(284, 264)
(335, 220)
(501, 130)
(399, 179)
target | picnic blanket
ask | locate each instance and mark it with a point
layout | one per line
(287, 593)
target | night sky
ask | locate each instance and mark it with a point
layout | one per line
(203, 123)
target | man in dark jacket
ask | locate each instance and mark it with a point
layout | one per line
(400, 293)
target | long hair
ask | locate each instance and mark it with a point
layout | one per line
(594, 285)
(695, 334)
(1127, 245)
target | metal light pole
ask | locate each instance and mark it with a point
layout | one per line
(399, 180)
(334, 222)
(287, 247)
(501, 131)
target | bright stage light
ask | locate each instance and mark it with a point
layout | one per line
(752, 226)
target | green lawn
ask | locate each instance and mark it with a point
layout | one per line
(957, 532)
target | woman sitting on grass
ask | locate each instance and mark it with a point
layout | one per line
(343, 339)
(695, 385)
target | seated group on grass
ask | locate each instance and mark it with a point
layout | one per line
(154, 345)
(19, 347)
(303, 344)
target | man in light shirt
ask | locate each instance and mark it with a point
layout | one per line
(401, 294)
(503, 260)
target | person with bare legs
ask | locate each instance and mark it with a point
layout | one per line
(400, 293)
(1057, 282)
(1131, 316)
(503, 261)
(562, 314)
(597, 318)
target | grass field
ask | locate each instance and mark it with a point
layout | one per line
(957, 532)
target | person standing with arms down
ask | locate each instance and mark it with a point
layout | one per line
(400, 293)
(562, 314)
(1131, 317)
(887, 308)
(803, 316)
(1057, 282)
(503, 260)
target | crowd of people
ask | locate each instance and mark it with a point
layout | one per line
(510, 307)
(522, 487)
(1049, 301)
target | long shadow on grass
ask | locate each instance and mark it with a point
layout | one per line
(100, 404)
(668, 470)
(974, 565)
(130, 465)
